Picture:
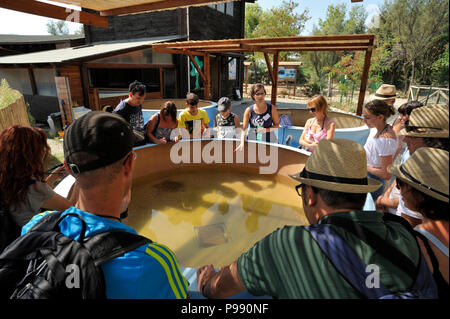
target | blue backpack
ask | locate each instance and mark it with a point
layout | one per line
(353, 269)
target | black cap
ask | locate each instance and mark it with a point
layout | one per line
(96, 140)
(223, 104)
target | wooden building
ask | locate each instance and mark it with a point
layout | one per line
(100, 71)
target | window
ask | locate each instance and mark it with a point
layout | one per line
(45, 82)
(230, 8)
(223, 7)
(121, 78)
(18, 79)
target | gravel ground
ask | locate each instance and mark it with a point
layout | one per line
(57, 152)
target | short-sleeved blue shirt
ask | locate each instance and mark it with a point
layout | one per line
(148, 272)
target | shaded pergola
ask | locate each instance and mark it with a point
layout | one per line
(273, 46)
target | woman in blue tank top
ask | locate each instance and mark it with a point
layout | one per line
(262, 118)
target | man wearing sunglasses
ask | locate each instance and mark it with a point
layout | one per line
(344, 253)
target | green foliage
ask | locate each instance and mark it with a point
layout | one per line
(440, 69)
(416, 32)
(253, 13)
(7, 95)
(57, 27)
(31, 118)
(336, 22)
(279, 21)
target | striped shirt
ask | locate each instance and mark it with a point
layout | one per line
(288, 263)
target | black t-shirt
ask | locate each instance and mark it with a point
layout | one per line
(132, 114)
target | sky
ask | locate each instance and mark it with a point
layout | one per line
(318, 9)
(14, 22)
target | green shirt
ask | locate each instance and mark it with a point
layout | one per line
(288, 263)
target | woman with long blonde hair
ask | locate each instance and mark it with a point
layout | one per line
(320, 126)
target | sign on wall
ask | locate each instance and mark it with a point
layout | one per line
(232, 70)
(287, 74)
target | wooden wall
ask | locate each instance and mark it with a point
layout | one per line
(135, 26)
(206, 23)
(76, 88)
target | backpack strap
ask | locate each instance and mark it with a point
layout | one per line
(353, 269)
(112, 244)
(342, 256)
(376, 242)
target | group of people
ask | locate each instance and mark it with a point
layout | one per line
(344, 252)
(164, 126)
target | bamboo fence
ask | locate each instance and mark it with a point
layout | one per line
(15, 113)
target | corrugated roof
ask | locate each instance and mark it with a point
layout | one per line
(17, 38)
(83, 52)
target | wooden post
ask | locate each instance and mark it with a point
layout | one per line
(32, 80)
(246, 78)
(364, 76)
(276, 58)
(269, 67)
(207, 77)
(416, 98)
(64, 99)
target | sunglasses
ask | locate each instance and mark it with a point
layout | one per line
(193, 106)
(420, 129)
(299, 189)
(399, 183)
(312, 109)
(260, 93)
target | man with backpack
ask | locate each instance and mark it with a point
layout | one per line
(85, 251)
(344, 253)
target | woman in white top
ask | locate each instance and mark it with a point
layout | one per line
(381, 148)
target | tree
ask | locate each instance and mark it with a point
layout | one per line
(413, 28)
(279, 21)
(253, 14)
(336, 22)
(57, 27)
(282, 21)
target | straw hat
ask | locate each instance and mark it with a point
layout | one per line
(427, 171)
(427, 122)
(385, 92)
(438, 106)
(338, 165)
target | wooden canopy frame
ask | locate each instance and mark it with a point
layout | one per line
(105, 8)
(351, 42)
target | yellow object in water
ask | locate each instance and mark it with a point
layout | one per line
(211, 214)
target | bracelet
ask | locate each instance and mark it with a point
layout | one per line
(124, 214)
